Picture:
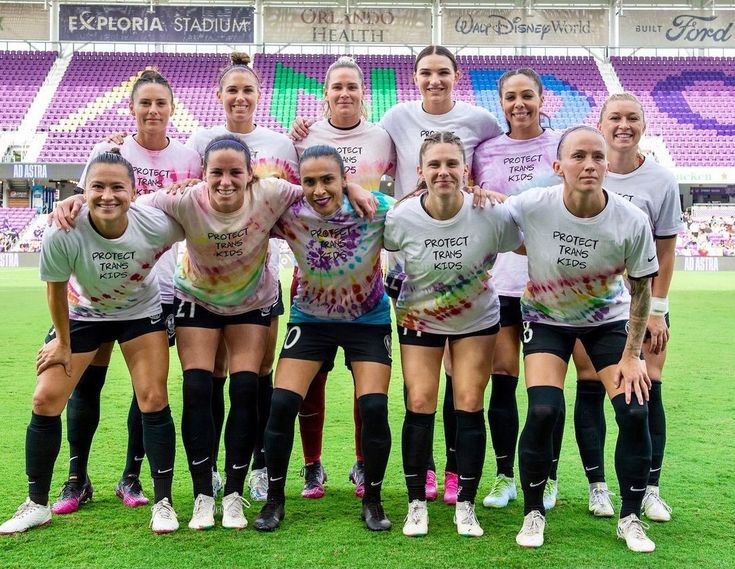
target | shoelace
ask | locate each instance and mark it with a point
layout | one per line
(198, 507)
(233, 507)
(312, 475)
(163, 509)
(25, 508)
(414, 514)
(636, 526)
(468, 516)
(549, 489)
(498, 485)
(657, 498)
(599, 495)
(533, 524)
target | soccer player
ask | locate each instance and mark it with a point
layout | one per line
(580, 240)
(447, 298)
(101, 289)
(654, 190)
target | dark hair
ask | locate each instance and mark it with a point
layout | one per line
(434, 138)
(435, 50)
(533, 76)
(323, 151)
(228, 142)
(112, 156)
(239, 61)
(150, 76)
(576, 128)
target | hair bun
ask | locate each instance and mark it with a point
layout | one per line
(114, 150)
(239, 58)
(345, 59)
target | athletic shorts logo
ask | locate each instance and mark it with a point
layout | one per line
(627, 326)
(527, 332)
(388, 341)
(156, 318)
(292, 338)
(170, 328)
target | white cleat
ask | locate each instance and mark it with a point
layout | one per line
(600, 504)
(232, 514)
(532, 532)
(633, 531)
(501, 492)
(551, 491)
(258, 484)
(163, 517)
(203, 515)
(466, 520)
(654, 507)
(417, 520)
(28, 515)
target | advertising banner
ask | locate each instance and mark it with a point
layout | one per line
(24, 22)
(677, 28)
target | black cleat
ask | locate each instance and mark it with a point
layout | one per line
(270, 516)
(374, 516)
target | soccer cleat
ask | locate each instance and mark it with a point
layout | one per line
(466, 520)
(357, 477)
(218, 483)
(451, 487)
(600, 504)
(203, 515)
(431, 489)
(374, 516)
(654, 507)
(314, 478)
(258, 484)
(72, 496)
(633, 531)
(232, 514)
(271, 515)
(28, 515)
(163, 517)
(551, 490)
(417, 519)
(130, 492)
(532, 532)
(502, 491)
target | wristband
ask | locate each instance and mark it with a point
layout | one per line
(659, 306)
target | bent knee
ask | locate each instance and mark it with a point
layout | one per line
(46, 404)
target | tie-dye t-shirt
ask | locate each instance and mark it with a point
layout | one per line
(448, 289)
(338, 256)
(512, 167)
(110, 279)
(367, 150)
(154, 170)
(575, 264)
(223, 268)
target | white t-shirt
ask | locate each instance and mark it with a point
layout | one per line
(653, 189)
(511, 167)
(448, 289)
(575, 264)
(110, 279)
(156, 169)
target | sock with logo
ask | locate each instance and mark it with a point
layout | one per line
(279, 432)
(358, 430)
(218, 416)
(589, 428)
(376, 441)
(197, 428)
(416, 439)
(502, 416)
(311, 419)
(450, 426)
(265, 392)
(43, 442)
(471, 443)
(632, 453)
(557, 437)
(241, 429)
(136, 450)
(657, 428)
(82, 419)
(159, 437)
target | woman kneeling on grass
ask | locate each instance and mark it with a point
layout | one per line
(101, 289)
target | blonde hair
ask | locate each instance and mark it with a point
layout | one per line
(344, 62)
(622, 97)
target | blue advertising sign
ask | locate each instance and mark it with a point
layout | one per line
(178, 24)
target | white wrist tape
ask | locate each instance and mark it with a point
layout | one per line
(659, 306)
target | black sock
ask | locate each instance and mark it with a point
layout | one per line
(657, 428)
(136, 449)
(536, 447)
(197, 428)
(265, 392)
(218, 416)
(82, 418)
(241, 429)
(450, 426)
(557, 437)
(589, 428)
(375, 440)
(632, 453)
(285, 407)
(159, 438)
(43, 442)
(471, 443)
(502, 416)
(417, 436)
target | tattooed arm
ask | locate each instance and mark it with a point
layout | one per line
(631, 372)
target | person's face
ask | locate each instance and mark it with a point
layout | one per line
(108, 192)
(344, 94)
(521, 102)
(435, 77)
(152, 107)
(239, 95)
(323, 184)
(622, 125)
(583, 161)
(227, 177)
(443, 168)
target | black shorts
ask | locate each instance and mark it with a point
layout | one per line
(319, 342)
(193, 315)
(168, 318)
(604, 343)
(668, 325)
(87, 336)
(393, 284)
(278, 309)
(415, 338)
(510, 311)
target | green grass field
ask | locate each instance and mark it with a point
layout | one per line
(698, 479)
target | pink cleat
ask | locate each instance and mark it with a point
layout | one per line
(451, 487)
(431, 490)
(130, 492)
(72, 496)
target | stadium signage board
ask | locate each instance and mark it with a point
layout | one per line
(672, 28)
(181, 24)
(335, 26)
(40, 171)
(521, 28)
(24, 22)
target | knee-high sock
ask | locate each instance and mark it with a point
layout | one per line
(358, 430)
(589, 428)
(557, 437)
(471, 443)
(632, 453)
(159, 438)
(657, 428)
(265, 392)
(241, 429)
(82, 419)
(502, 416)
(43, 442)
(136, 449)
(450, 426)
(218, 416)
(376, 441)
(311, 419)
(285, 406)
(197, 428)
(536, 446)
(417, 437)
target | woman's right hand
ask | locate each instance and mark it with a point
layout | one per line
(65, 213)
(116, 138)
(300, 128)
(52, 354)
(182, 186)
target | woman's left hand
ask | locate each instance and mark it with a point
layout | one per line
(659, 333)
(482, 196)
(363, 201)
(631, 374)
